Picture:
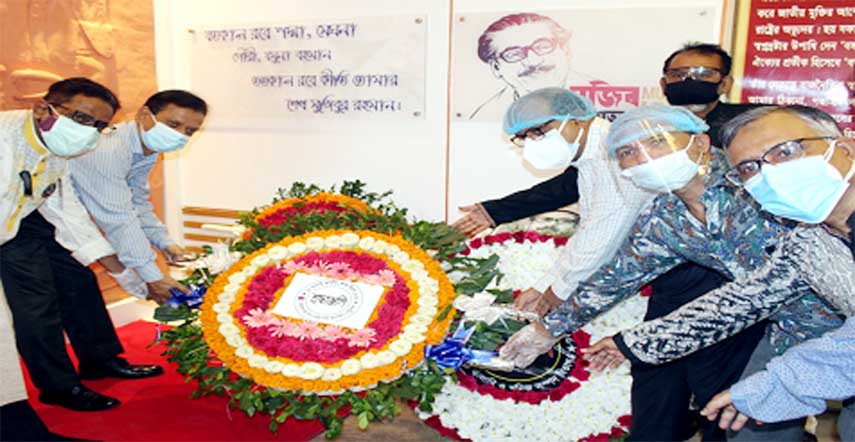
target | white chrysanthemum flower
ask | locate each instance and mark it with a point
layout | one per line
(315, 243)
(331, 374)
(244, 352)
(257, 361)
(290, 370)
(273, 366)
(385, 357)
(311, 371)
(332, 242)
(400, 347)
(221, 307)
(229, 329)
(350, 367)
(297, 248)
(261, 260)
(413, 337)
(278, 253)
(237, 278)
(349, 240)
(369, 360)
(367, 243)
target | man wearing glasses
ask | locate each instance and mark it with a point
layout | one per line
(527, 52)
(113, 183)
(46, 242)
(795, 162)
(695, 77)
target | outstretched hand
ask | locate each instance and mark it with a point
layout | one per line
(527, 344)
(474, 222)
(604, 354)
(730, 417)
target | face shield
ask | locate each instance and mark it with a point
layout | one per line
(651, 144)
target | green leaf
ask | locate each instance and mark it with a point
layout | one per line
(363, 420)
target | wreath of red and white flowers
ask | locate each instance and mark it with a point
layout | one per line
(581, 406)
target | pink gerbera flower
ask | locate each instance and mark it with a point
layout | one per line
(361, 338)
(387, 277)
(292, 267)
(319, 268)
(257, 318)
(307, 330)
(283, 328)
(332, 332)
(338, 270)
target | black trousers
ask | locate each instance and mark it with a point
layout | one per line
(661, 394)
(48, 291)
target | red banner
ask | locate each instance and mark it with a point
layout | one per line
(802, 52)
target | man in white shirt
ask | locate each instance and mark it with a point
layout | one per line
(46, 241)
(558, 128)
(113, 183)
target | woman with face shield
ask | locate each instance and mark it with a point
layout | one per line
(700, 218)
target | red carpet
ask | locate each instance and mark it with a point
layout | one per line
(160, 408)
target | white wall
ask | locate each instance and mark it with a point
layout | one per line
(241, 169)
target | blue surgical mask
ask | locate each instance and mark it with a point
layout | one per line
(552, 151)
(162, 138)
(66, 138)
(806, 189)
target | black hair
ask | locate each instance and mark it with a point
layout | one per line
(180, 98)
(63, 91)
(704, 49)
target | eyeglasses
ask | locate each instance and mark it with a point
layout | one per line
(703, 73)
(541, 46)
(85, 119)
(536, 133)
(780, 153)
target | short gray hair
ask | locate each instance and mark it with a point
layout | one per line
(820, 121)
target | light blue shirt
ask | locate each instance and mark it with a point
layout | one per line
(112, 181)
(798, 382)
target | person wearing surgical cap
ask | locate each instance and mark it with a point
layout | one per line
(698, 217)
(557, 128)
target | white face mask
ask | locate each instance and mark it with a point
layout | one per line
(552, 151)
(664, 174)
(67, 138)
(162, 138)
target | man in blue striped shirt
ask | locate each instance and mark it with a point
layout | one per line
(113, 183)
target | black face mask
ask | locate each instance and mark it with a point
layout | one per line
(691, 91)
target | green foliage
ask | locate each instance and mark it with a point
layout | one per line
(186, 347)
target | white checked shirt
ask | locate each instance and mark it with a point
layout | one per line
(21, 150)
(112, 182)
(608, 206)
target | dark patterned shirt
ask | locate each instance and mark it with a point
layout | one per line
(733, 241)
(808, 258)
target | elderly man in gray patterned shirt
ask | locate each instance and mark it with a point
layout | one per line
(796, 164)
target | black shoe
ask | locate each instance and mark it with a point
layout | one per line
(79, 398)
(119, 368)
(23, 424)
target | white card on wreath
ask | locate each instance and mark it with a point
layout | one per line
(329, 301)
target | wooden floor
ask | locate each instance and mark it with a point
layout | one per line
(406, 427)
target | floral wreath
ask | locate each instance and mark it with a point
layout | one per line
(227, 347)
(320, 203)
(309, 357)
(581, 406)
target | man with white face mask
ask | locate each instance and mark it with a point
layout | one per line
(46, 242)
(558, 128)
(699, 219)
(797, 165)
(113, 183)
